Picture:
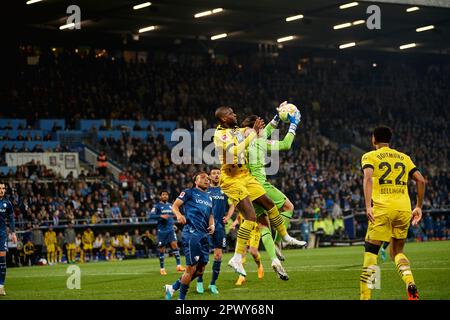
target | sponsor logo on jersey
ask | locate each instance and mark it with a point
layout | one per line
(201, 201)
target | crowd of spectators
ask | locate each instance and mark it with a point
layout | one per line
(32, 246)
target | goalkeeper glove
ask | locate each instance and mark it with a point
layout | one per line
(274, 122)
(294, 120)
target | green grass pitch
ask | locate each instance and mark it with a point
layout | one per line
(325, 273)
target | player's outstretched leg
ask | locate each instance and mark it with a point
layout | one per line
(2, 275)
(383, 253)
(170, 289)
(276, 222)
(286, 215)
(243, 235)
(367, 275)
(215, 274)
(403, 268)
(269, 245)
(180, 268)
(200, 288)
(162, 270)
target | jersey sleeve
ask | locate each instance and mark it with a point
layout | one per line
(282, 145)
(411, 167)
(185, 195)
(367, 161)
(268, 129)
(224, 142)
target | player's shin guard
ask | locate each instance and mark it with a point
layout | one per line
(215, 271)
(183, 291)
(2, 270)
(366, 279)
(286, 216)
(269, 245)
(403, 268)
(276, 221)
(161, 260)
(243, 235)
(176, 253)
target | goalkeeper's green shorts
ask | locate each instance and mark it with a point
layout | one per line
(273, 193)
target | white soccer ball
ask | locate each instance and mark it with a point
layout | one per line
(42, 262)
(285, 110)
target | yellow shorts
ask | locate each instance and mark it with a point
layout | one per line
(87, 246)
(50, 248)
(255, 236)
(241, 186)
(388, 224)
(70, 246)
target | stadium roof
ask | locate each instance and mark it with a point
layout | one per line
(244, 21)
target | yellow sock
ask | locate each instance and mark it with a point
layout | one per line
(243, 235)
(403, 268)
(49, 257)
(370, 259)
(276, 221)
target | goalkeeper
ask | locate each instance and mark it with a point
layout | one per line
(256, 153)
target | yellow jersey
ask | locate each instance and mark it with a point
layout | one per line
(231, 145)
(50, 238)
(391, 170)
(88, 237)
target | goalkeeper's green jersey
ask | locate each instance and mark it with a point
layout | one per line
(258, 148)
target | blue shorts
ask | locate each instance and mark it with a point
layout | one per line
(166, 237)
(218, 240)
(3, 242)
(196, 248)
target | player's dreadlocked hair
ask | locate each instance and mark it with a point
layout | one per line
(249, 121)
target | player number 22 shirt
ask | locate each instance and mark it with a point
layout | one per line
(391, 170)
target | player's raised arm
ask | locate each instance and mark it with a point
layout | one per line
(420, 184)
(273, 124)
(286, 143)
(176, 210)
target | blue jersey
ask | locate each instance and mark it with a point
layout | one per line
(220, 203)
(164, 225)
(197, 208)
(6, 210)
